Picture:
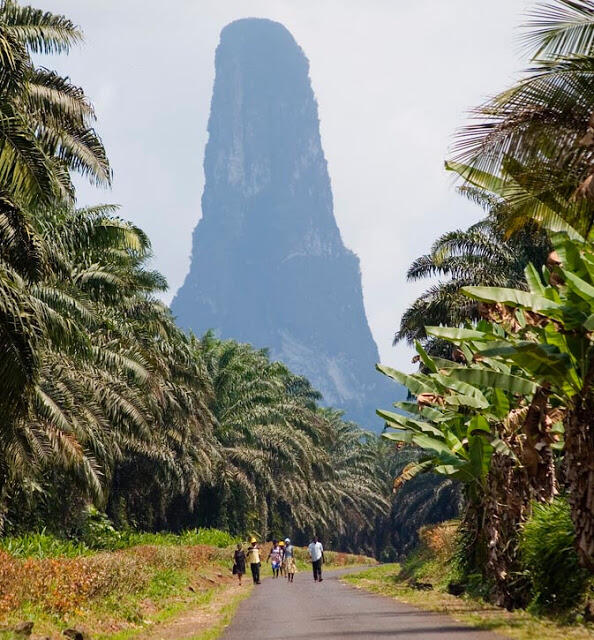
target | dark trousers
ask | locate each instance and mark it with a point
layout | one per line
(255, 567)
(317, 569)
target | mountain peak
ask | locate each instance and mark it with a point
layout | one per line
(268, 264)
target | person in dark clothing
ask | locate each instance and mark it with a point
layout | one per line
(239, 562)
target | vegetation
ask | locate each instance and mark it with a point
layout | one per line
(119, 431)
(425, 581)
(481, 255)
(548, 554)
(112, 420)
(503, 399)
(122, 592)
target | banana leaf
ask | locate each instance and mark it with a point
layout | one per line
(513, 298)
(486, 378)
(416, 384)
(458, 334)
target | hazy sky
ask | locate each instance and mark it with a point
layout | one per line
(393, 79)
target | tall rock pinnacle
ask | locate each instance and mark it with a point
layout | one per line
(268, 264)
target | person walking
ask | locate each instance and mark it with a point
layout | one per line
(289, 562)
(316, 553)
(275, 559)
(253, 555)
(283, 566)
(239, 562)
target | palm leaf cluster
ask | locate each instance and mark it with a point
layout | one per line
(507, 408)
(483, 254)
(535, 140)
(284, 462)
(104, 399)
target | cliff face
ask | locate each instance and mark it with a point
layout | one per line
(268, 264)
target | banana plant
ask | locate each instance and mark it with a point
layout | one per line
(548, 333)
(454, 419)
(478, 420)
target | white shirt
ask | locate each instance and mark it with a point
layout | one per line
(315, 551)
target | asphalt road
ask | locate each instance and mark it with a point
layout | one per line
(331, 610)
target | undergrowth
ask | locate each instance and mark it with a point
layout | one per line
(46, 545)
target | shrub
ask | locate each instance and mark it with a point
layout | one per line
(549, 558)
(62, 585)
(42, 545)
(98, 531)
(211, 537)
(440, 539)
(191, 537)
(388, 554)
(99, 535)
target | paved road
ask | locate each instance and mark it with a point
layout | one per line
(331, 610)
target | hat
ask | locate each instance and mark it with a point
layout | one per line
(287, 540)
(281, 544)
(252, 539)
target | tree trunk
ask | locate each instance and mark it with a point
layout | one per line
(263, 514)
(579, 458)
(506, 506)
(510, 490)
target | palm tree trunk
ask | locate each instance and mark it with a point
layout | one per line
(510, 490)
(263, 516)
(579, 457)
(4, 496)
(506, 506)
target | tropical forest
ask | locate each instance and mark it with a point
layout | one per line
(137, 452)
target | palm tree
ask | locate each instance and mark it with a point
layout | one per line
(484, 254)
(118, 383)
(45, 134)
(46, 123)
(538, 135)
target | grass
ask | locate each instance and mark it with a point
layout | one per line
(110, 593)
(118, 595)
(225, 616)
(390, 580)
(45, 545)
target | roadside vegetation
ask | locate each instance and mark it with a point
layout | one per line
(503, 400)
(133, 589)
(113, 421)
(429, 578)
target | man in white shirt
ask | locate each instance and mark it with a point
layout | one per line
(316, 553)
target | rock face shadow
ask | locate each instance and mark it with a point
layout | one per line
(268, 263)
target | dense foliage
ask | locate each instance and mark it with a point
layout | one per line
(105, 403)
(549, 557)
(504, 398)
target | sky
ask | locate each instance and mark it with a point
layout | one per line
(394, 79)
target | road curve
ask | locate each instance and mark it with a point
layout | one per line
(331, 610)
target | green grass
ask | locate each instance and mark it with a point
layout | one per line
(391, 580)
(166, 582)
(225, 616)
(42, 545)
(169, 610)
(45, 545)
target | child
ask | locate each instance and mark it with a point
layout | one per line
(275, 559)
